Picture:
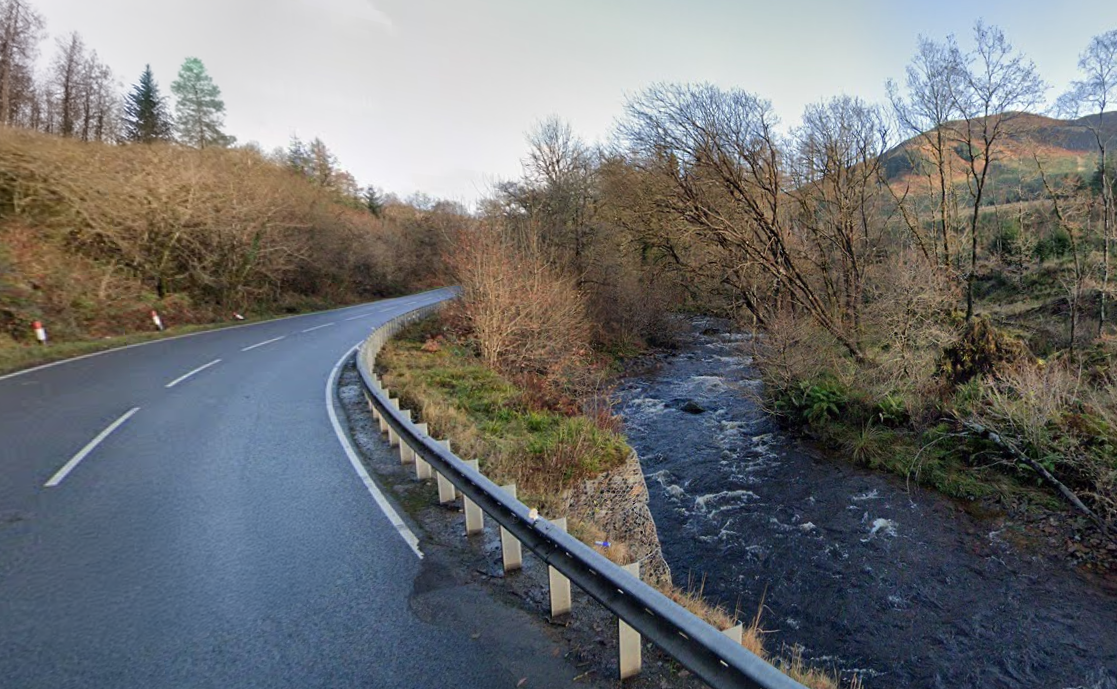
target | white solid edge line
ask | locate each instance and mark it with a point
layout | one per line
(404, 531)
(72, 359)
(265, 342)
(84, 452)
(181, 378)
(318, 327)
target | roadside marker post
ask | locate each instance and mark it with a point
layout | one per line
(157, 320)
(40, 332)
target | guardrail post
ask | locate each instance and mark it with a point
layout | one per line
(383, 421)
(560, 585)
(474, 517)
(406, 454)
(629, 638)
(393, 439)
(446, 492)
(422, 469)
(511, 552)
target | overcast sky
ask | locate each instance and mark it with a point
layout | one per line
(435, 96)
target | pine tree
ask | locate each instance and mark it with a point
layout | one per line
(373, 201)
(199, 110)
(145, 112)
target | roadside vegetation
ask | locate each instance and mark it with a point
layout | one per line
(930, 277)
(93, 237)
(524, 434)
(114, 205)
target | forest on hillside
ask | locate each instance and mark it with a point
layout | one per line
(115, 202)
(930, 277)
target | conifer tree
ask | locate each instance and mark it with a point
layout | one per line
(199, 110)
(145, 112)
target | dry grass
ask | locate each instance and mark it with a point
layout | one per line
(93, 236)
(528, 318)
(543, 452)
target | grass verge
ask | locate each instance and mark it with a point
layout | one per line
(19, 356)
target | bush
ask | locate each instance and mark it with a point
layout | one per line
(528, 319)
(1056, 244)
(979, 351)
(813, 402)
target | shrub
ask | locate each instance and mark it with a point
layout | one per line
(1056, 244)
(813, 402)
(980, 351)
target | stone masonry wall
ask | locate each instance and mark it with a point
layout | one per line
(617, 502)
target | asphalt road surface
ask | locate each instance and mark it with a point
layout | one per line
(182, 513)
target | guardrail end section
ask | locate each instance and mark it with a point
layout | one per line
(630, 659)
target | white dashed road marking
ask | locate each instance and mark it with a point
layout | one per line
(265, 342)
(84, 452)
(181, 378)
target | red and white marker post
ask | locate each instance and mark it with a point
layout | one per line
(40, 332)
(156, 320)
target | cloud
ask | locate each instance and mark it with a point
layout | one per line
(364, 11)
(379, 16)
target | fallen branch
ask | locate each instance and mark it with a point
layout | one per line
(1019, 455)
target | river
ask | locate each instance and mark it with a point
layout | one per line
(863, 573)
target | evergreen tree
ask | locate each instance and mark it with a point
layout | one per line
(373, 201)
(145, 112)
(297, 157)
(199, 110)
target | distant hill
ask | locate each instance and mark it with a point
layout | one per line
(1065, 147)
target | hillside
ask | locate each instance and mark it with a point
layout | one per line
(1064, 147)
(94, 236)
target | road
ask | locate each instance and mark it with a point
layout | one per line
(182, 513)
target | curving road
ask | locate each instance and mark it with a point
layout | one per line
(182, 514)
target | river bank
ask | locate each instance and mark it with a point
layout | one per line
(864, 571)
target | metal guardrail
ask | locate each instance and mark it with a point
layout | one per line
(708, 653)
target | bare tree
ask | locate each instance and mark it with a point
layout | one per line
(1095, 93)
(21, 30)
(835, 185)
(557, 193)
(995, 84)
(97, 97)
(718, 151)
(67, 74)
(924, 112)
(1069, 208)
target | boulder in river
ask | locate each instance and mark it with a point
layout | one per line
(687, 405)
